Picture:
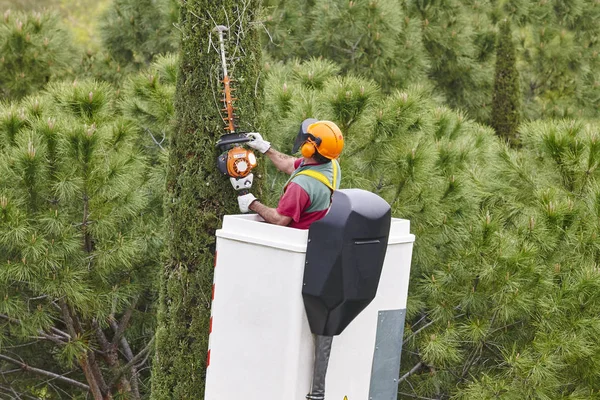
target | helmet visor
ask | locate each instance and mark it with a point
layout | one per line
(303, 134)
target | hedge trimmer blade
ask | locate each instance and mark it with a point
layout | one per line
(235, 161)
(227, 99)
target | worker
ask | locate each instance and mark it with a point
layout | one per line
(313, 177)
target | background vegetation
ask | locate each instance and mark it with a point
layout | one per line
(81, 16)
(494, 158)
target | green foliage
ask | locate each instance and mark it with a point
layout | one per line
(135, 31)
(503, 289)
(369, 38)
(34, 49)
(364, 37)
(558, 59)
(547, 203)
(458, 39)
(502, 298)
(79, 237)
(504, 277)
(285, 27)
(148, 99)
(197, 197)
(503, 295)
(101, 66)
(450, 44)
(80, 16)
(506, 99)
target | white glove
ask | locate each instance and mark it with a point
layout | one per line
(245, 201)
(257, 142)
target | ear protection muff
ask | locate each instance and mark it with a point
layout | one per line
(310, 146)
(308, 149)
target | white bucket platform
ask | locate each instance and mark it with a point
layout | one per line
(261, 347)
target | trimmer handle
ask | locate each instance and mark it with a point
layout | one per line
(230, 139)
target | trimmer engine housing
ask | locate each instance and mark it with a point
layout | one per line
(236, 161)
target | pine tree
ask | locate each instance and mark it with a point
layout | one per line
(587, 33)
(557, 51)
(506, 98)
(34, 49)
(504, 275)
(197, 196)
(148, 101)
(451, 44)
(458, 40)
(548, 204)
(79, 240)
(359, 35)
(101, 66)
(502, 294)
(135, 31)
(369, 38)
(286, 24)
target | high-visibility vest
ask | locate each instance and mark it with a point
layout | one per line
(320, 176)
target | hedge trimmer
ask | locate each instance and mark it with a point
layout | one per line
(235, 160)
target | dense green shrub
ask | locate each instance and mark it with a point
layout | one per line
(370, 38)
(101, 66)
(503, 267)
(450, 45)
(197, 196)
(135, 31)
(34, 49)
(504, 282)
(80, 237)
(506, 99)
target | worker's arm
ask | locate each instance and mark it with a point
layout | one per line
(283, 162)
(269, 214)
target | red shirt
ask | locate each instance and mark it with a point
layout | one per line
(293, 204)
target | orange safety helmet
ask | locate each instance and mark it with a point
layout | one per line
(323, 137)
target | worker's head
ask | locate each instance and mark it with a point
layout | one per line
(319, 140)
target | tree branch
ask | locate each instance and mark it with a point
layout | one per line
(111, 356)
(102, 340)
(61, 333)
(68, 319)
(10, 371)
(412, 371)
(159, 144)
(84, 362)
(123, 323)
(55, 339)
(428, 325)
(10, 319)
(131, 362)
(91, 357)
(42, 372)
(24, 395)
(419, 330)
(43, 335)
(129, 356)
(143, 362)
